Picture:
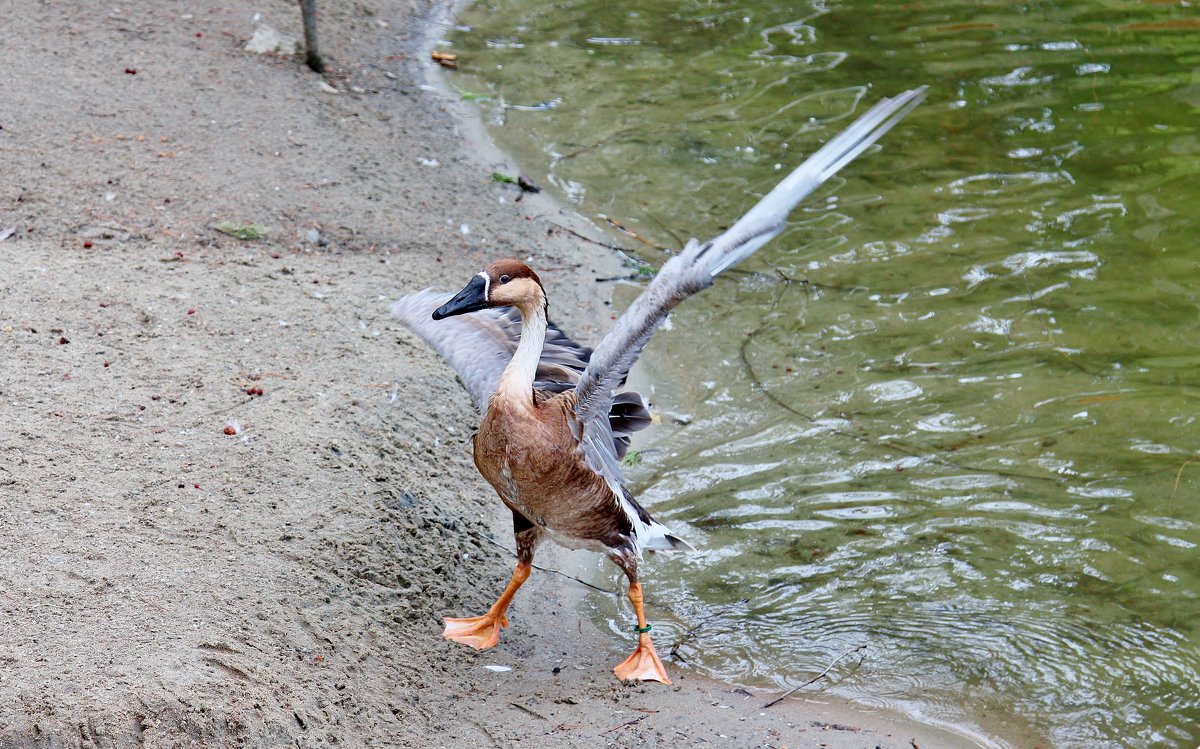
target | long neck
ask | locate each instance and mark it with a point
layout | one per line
(516, 384)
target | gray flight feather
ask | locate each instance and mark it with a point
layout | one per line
(694, 268)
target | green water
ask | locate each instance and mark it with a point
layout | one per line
(949, 414)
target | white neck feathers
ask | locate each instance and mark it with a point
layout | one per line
(516, 384)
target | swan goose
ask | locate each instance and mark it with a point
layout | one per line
(554, 427)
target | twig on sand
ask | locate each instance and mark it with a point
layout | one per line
(643, 270)
(627, 723)
(529, 710)
(577, 235)
(793, 690)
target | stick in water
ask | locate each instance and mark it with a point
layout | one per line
(793, 690)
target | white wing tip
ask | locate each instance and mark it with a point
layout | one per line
(660, 538)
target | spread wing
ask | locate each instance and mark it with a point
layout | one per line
(479, 346)
(694, 268)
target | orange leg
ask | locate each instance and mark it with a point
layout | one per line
(483, 632)
(644, 664)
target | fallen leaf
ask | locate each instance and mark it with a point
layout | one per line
(242, 231)
(445, 59)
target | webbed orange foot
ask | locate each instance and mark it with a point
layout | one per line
(480, 632)
(643, 665)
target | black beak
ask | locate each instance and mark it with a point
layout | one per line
(470, 299)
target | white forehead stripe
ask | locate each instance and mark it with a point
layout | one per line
(487, 285)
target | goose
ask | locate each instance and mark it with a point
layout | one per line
(554, 425)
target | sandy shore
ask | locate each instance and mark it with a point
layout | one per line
(165, 583)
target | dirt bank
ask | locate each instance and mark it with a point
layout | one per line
(166, 583)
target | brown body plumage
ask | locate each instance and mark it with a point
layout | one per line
(531, 457)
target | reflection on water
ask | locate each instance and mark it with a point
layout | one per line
(950, 414)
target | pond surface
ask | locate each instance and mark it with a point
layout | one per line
(951, 413)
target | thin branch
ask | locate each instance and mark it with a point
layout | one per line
(1179, 475)
(627, 723)
(689, 634)
(632, 234)
(529, 710)
(593, 146)
(1032, 308)
(793, 690)
(576, 234)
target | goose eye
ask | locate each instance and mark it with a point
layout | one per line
(504, 279)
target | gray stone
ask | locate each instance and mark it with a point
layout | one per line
(267, 40)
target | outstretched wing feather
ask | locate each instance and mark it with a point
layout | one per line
(694, 268)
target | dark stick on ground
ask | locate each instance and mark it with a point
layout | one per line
(312, 51)
(628, 723)
(793, 690)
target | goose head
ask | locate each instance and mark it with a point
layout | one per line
(503, 283)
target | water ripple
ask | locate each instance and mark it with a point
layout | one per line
(996, 183)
